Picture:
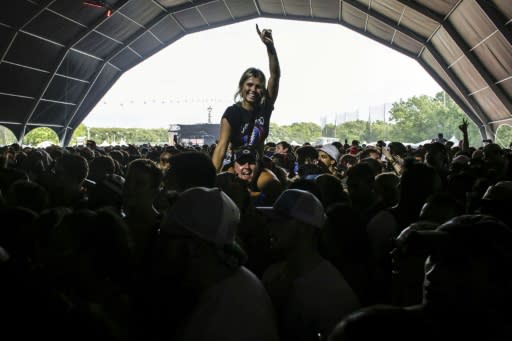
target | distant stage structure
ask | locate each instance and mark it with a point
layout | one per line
(193, 134)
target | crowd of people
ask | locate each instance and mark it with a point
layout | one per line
(333, 242)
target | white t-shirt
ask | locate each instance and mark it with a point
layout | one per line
(237, 308)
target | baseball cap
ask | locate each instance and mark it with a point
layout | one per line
(468, 234)
(112, 182)
(331, 150)
(246, 154)
(461, 159)
(207, 213)
(501, 191)
(299, 205)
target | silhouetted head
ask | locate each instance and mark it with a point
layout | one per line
(142, 182)
(189, 169)
(296, 217)
(468, 268)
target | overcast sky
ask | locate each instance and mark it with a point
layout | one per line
(327, 70)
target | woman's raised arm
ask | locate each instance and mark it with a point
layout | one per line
(275, 70)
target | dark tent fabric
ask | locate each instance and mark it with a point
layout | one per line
(60, 57)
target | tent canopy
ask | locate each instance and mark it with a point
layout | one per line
(60, 57)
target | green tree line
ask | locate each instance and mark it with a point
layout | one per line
(413, 120)
(416, 119)
(128, 135)
(82, 132)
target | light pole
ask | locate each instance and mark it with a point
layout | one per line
(209, 114)
(335, 125)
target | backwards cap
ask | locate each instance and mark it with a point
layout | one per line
(299, 205)
(245, 154)
(207, 213)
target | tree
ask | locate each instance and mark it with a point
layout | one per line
(380, 131)
(79, 132)
(6, 136)
(277, 133)
(451, 115)
(129, 135)
(352, 130)
(422, 118)
(504, 135)
(299, 132)
(38, 135)
(304, 132)
(328, 130)
(413, 119)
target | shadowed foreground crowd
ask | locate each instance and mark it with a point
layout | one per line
(333, 242)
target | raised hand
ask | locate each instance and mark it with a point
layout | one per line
(265, 36)
(464, 126)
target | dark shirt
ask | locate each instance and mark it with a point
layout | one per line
(248, 127)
